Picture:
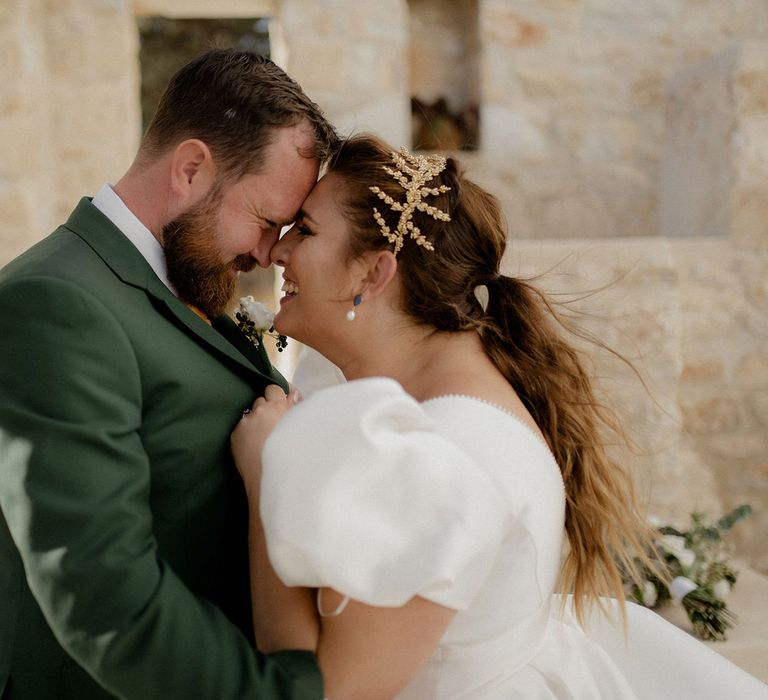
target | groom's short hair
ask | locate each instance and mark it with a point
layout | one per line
(232, 100)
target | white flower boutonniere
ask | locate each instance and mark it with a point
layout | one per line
(254, 319)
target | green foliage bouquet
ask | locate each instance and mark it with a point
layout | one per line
(698, 574)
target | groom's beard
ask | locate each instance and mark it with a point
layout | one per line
(194, 263)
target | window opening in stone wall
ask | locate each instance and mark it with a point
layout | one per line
(445, 74)
(166, 45)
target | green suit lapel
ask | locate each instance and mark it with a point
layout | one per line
(122, 257)
(229, 330)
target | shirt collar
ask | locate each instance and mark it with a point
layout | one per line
(109, 204)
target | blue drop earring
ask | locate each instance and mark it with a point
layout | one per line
(355, 303)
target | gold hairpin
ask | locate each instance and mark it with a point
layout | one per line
(412, 172)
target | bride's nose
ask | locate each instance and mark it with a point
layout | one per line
(281, 250)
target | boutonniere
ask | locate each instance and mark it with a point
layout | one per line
(254, 319)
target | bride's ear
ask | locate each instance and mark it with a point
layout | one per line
(382, 266)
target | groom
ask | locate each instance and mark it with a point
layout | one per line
(123, 552)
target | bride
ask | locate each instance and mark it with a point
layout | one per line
(407, 526)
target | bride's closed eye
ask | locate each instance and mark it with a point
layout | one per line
(303, 230)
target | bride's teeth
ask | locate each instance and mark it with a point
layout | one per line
(290, 288)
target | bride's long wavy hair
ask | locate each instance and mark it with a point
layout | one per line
(526, 338)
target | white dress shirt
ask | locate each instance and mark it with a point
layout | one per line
(109, 204)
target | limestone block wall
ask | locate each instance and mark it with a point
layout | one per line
(574, 93)
(627, 294)
(690, 311)
(691, 315)
(723, 388)
(749, 201)
(69, 114)
(697, 172)
(351, 58)
(715, 181)
(25, 166)
(715, 164)
(204, 9)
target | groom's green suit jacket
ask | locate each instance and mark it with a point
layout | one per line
(123, 541)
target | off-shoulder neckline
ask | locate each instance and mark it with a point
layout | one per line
(496, 406)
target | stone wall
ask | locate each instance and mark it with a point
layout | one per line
(69, 118)
(25, 174)
(715, 181)
(574, 94)
(690, 311)
(691, 315)
(723, 388)
(715, 165)
(351, 58)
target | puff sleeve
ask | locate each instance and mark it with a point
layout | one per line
(359, 493)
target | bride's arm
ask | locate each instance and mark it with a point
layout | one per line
(364, 652)
(370, 652)
(283, 618)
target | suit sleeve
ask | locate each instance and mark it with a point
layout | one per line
(75, 494)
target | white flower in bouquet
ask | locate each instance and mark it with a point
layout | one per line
(680, 587)
(722, 589)
(650, 594)
(675, 545)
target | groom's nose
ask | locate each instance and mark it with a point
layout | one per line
(262, 251)
(280, 251)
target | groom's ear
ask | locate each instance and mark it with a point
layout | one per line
(382, 266)
(192, 172)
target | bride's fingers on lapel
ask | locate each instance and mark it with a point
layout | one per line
(275, 393)
(294, 395)
(250, 410)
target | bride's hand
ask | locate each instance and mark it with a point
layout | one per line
(252, 431)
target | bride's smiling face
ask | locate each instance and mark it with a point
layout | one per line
(319, 281)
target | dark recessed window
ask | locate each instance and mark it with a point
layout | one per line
(445, 74)
(167, 44)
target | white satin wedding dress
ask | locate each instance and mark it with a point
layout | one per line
(382, 498)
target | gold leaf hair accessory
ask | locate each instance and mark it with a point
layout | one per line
(412, 172)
